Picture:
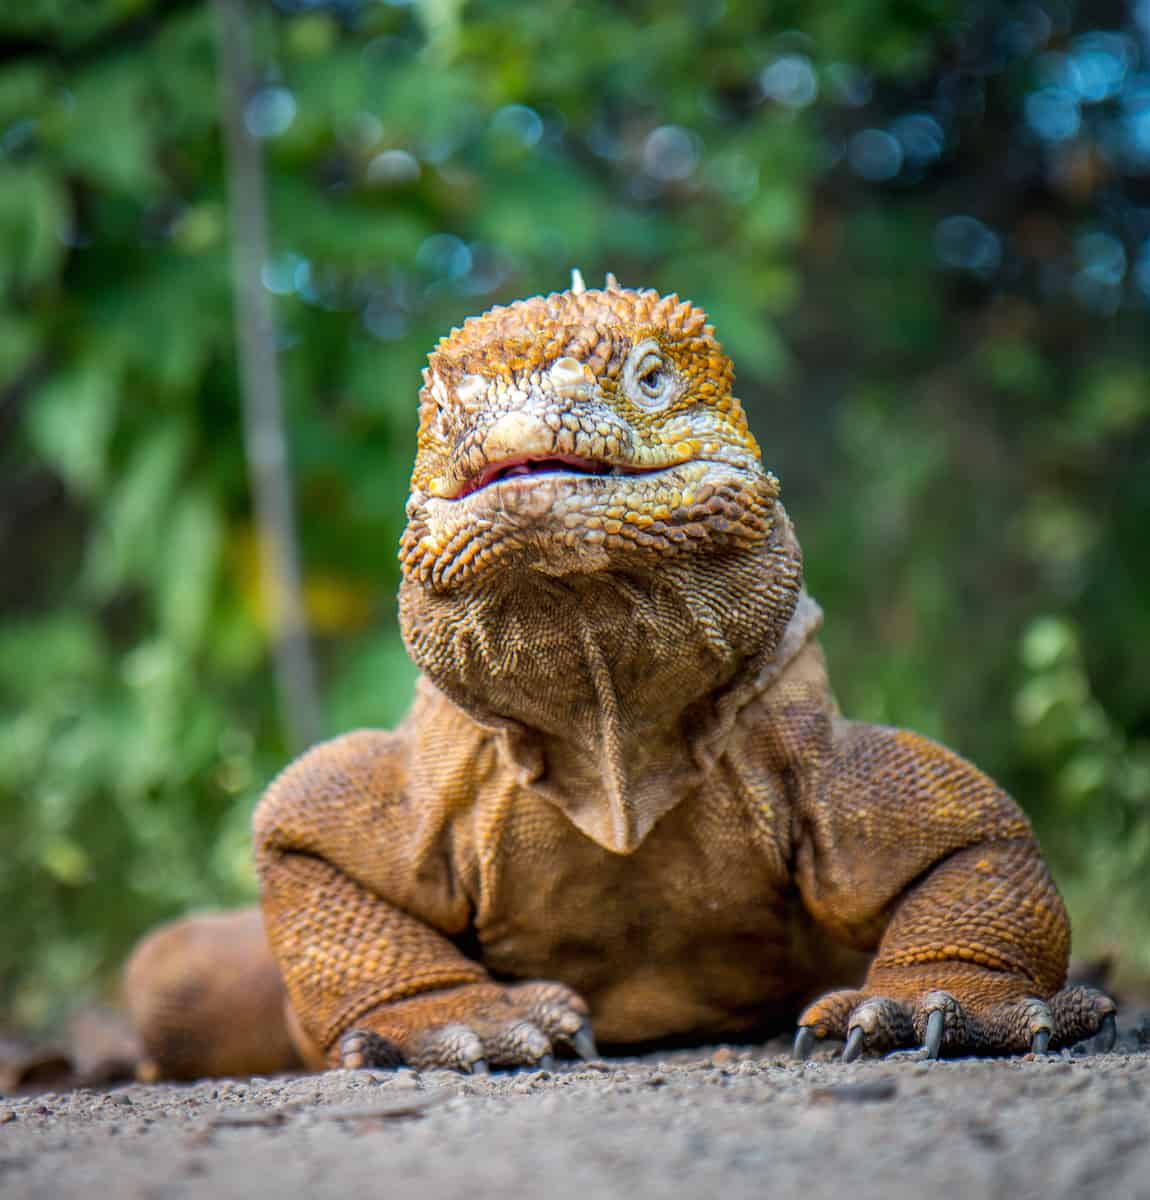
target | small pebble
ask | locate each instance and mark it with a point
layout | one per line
(403, 1081)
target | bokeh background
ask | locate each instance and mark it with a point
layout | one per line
(922, 228)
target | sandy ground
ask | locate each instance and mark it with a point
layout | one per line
(725, 1122)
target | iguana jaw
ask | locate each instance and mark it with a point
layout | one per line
(517, 466)
(564, 523)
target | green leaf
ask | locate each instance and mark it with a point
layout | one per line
(19, 340)
(108, 139)
(49, 655)
(71, 420)
(33, 212)
(138, 513)
(23, 87)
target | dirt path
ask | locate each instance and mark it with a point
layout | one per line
(730, 1123)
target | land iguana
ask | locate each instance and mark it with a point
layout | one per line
(624, 805)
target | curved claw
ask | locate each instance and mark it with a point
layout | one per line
(1107, 1034)
(804, 1043)
(1040, 1042)
(935, 1028)
(583, 1042)
(479, 1067)
(546, 1063)
(854, 1046)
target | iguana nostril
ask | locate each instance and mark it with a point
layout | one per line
(569, 377)
(518, 433)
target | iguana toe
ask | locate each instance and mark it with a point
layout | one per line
(515, 1044)
(856, 1040)
(472, 1029)
(359, 1048)
(939, 1025)
(935, 1028)
(1021, 1026)
(866, 1023)
(1082, 1012)
(454, 1047)
(582, 1041)
(559, 1012)
(804, 1043)
(944, 1022)
(885, 1024)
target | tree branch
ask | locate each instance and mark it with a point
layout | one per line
(265, 441)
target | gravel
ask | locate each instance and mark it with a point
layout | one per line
(722, 1122)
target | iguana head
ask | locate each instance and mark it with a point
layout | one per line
(579, 432)
(595, 560)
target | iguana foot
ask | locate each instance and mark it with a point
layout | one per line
(937, 1023)
(471, 1028)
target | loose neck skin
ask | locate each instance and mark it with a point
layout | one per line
(606, 685)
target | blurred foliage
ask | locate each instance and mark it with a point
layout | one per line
(923, 232)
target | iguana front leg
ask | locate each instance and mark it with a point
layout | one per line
(372, 986)
(358, 911)
(907, 845)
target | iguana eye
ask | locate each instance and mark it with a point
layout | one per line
(647, 378)
(652, 380)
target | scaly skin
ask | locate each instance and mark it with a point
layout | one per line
(624, 799)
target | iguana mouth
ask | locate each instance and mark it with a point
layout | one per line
(551, 464)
